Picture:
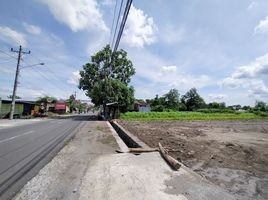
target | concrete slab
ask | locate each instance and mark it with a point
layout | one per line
(144, 176)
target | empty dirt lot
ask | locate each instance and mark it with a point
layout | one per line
(231, 154)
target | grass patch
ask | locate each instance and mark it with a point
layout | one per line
(99, 128)
(107, 140)
(189, 116)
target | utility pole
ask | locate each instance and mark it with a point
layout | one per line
(12, 107)
(74, 94)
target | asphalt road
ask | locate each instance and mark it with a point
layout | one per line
(25, 149)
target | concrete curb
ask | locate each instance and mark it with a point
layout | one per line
(130, 140)
(123, 147)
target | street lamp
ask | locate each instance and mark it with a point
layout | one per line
(32, 65)
(12, 107)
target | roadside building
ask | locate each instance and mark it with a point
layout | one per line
(22, 108)
(61, 108)
(142, 107)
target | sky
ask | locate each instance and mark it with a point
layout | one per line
(219, 47)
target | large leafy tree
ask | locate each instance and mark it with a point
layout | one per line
(260, 105)
(105, 79)
(172, 99)
(193, 100)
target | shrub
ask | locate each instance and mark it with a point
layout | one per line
(158, 108)
(215, 110)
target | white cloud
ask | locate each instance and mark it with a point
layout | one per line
(97, 42)
(77, 14)
(74, 79)
(11, 36)
(140, 29)
(231, 82)
(252, 5)
(262, 27)
(36, 30)
(171, 68)
(255, 69)
(216, 97)
(186, 81)
(258, 89)
(253, 86)
(250, 77)
(107, 2)
(151, 77)
(25, 93)
(53, 39)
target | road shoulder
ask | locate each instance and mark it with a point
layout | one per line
(62, 177)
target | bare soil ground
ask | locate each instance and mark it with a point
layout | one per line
(231, 154)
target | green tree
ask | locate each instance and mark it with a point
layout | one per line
(157, 104)
(105, 79)
(81, 107)
(71, 103)
(214, 105)
(192, 100)
(10, 97)
(261, 106)
(47, 99)
(172, 99)
(222, 105)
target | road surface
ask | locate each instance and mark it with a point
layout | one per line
(24, 150)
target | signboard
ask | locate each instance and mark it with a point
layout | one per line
(60, 106)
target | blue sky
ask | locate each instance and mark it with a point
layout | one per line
(219, 47)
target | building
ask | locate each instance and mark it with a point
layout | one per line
(22, 108)
(142, 107)
(61, 107)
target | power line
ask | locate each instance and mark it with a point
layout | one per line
(44, 76)
(1, 51)
(7, 61)
(38, 74)
(123, 22)
(122, 25)
(113, 23)
(49, 80)
(115, 30)
(62, 83)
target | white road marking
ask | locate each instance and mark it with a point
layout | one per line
(12, 138)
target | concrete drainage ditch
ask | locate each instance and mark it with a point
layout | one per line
(132, 144)
(129, 139)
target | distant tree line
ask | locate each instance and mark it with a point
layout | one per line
(74, 105)
(192, 101)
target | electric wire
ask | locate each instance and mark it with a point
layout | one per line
(123, 22)
(117, 21)
(3, 52)
(113, 23)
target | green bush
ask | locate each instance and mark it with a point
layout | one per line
(169, 110)
(216, 110)
(158, 108)
(264, 114)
